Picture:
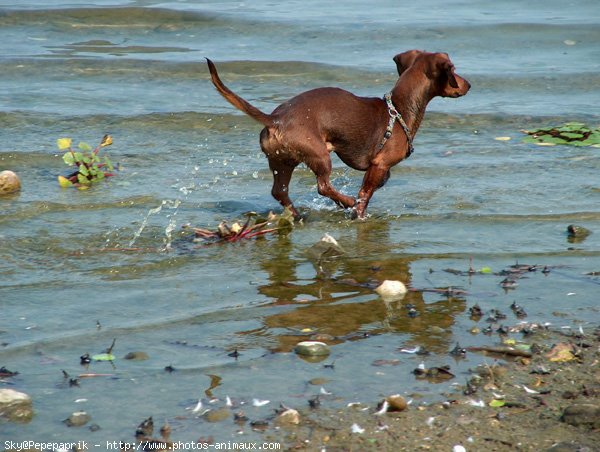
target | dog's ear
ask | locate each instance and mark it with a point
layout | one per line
(449, 70)
(405, 60)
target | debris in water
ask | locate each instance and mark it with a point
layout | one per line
(254, 226)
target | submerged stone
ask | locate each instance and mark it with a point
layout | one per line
(137, 356)
(9, 183)
(312, 348)
(221, 414)
(77, 419)
(577, 233)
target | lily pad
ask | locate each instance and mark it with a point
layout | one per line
(570, 133)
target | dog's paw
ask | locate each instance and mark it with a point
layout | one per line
(356, 214)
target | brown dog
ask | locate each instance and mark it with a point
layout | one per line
(367, 133)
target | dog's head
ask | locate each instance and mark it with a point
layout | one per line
(438, 68)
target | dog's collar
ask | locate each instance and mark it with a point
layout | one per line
(395, 116)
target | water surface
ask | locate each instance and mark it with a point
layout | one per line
(79, 268)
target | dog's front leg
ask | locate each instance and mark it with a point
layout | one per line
(375, 177)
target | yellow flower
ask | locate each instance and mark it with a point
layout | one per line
(106, 141)
(63, 143)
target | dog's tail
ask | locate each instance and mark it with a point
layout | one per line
(236, 100)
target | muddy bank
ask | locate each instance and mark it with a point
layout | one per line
(549, 401)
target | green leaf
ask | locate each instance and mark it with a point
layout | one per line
(83, 170)
(580, 144)
(486, 270)
(530, 139)
(68, 159)
(64, 182)
(534, 131)
(572, 135)
(551, 139)
(100, 175)
(104, 357)
(108, 163)
(84, 147)
(78, 156)
(86, 159)
(497, 403)
(573, 125)
(594, 138)
(82, 179)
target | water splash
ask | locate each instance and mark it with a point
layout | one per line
(170, 204)
(171, 225)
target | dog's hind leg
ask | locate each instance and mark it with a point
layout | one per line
(282, 174)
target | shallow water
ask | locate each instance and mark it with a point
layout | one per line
(136, 70)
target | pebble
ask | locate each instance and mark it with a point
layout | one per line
(288, 417)
(396, 403)
(9, 183)
(77, 419)
(582, 414)
(15, 406)
(222, 414)
(312, 348)
(391, 290)
(579, 232)
(326, 248)
(137, 356)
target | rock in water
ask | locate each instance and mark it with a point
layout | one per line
(582, 414)
(221, 414)
(312, 348)
(137, 356)
(15, 406)
(577, 233)
(288, 417)
(327, 247)
(391, 290)
(9, 183)
(77, 419)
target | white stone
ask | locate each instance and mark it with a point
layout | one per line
(391, 290)
(312, 348)
(15, 406)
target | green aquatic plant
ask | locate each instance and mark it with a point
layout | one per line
(90, 166)
(570, 133)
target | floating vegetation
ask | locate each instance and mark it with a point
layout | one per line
(254, 226)
(570, 133)
(90, 167)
